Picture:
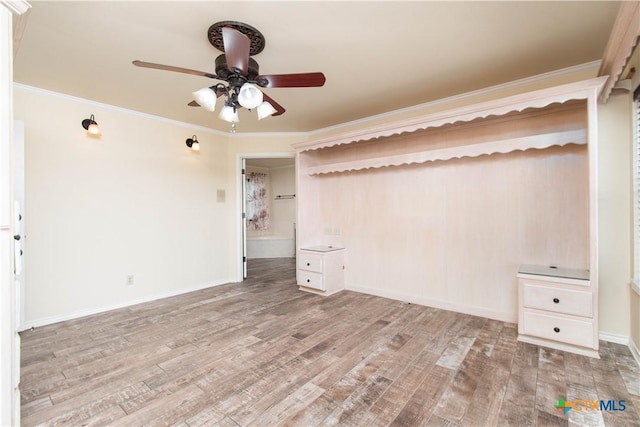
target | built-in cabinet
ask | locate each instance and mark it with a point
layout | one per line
(320, 269)
(556, 309)
(441, 209)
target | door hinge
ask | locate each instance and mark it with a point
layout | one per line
(243, 171)
(244, 259)
(244, 215)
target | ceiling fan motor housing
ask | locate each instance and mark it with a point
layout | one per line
(222, 69)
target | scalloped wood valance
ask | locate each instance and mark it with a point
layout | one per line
(586, 89)
(622, 41)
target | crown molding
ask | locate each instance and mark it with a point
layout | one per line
(109, 107)
(16, 6)
(122, 110)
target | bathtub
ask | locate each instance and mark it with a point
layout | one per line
(270, 246)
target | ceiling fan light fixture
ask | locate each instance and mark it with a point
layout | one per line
(265, 110)
(229, 114)
(206, 98)
(250, 96)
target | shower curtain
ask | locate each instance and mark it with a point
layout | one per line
(257, 202)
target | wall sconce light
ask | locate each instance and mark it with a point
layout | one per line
(91, 126)
(193, 143)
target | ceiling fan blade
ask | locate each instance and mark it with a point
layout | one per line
(292, 80)
(176, 69)
(279, 108)
(236, 50)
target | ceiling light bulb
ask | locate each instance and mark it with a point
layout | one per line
(93, 129)
(265, 110)
(249, 96)
(229, 114)
(206, 98)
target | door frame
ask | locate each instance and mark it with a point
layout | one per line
(241, 237)
(9, 338)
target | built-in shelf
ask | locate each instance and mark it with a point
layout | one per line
(518, 172)
(499, 107)
(535, 121)
(504, 146)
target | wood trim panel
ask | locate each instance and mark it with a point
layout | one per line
(16, 6)
(498, 107)
(505, 146)
(622, 41)
(19, 25)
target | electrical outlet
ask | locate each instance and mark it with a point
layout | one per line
(130, 280)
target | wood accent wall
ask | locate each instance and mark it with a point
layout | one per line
(452, 233)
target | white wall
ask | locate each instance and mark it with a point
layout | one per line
(615, 215)
(136, 202)
(283, 182)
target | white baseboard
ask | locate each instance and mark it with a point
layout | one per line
(614, 338)
(635, 351)
(82, 313)
(444, 305)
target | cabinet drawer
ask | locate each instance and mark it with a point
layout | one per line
(566, 301)
(572, 331)
(310, 262)
(310, 279)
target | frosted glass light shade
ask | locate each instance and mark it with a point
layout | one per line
(228, 114)
(93, 129)
(250, 96)
(206, 98)
(195, 146)
(265, 110)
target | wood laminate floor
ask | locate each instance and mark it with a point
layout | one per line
(263, 353)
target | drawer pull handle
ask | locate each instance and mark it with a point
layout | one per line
(556, 300)
(556, 329)
(308, 264)
(308, 281)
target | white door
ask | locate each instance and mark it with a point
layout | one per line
(18, 249)
(244, 218)
(19, 235)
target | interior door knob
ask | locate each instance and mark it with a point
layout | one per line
(17, 237)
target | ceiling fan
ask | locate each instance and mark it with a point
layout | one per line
(240, 73)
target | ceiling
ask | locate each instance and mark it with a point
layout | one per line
(377, 56)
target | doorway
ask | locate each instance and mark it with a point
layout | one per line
(267, 208)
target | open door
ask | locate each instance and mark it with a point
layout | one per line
(244, 218)
(19, 231)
